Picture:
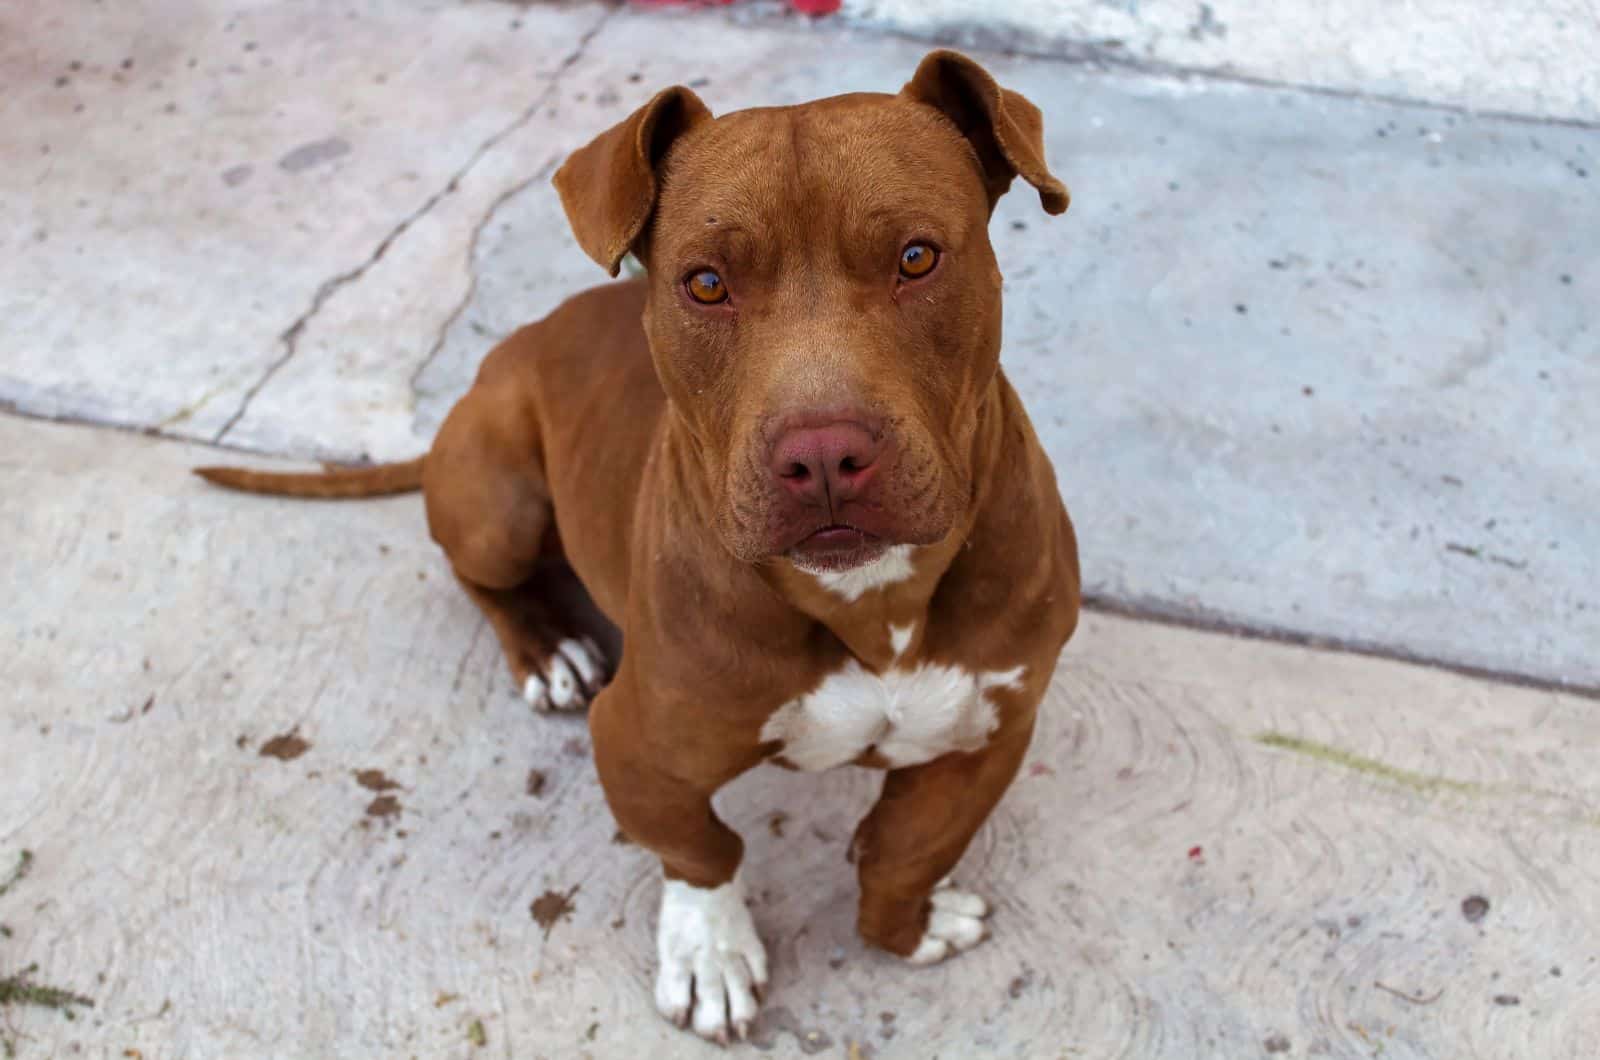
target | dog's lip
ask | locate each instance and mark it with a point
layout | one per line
(836, 535)
(836, 547)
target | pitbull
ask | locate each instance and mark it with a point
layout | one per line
(786, 465)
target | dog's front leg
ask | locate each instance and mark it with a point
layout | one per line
(908, 844)
(712, 963)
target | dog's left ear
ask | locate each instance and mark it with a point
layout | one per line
(608, 188)
(1003, 127)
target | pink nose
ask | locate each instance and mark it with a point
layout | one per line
(827, 464)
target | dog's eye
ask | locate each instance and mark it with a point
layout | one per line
(917, 260)
(706, 287)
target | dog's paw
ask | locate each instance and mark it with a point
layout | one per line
(955, 923)
(713, 965)
(568, 677)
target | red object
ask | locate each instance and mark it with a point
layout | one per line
(815, 7)
(1195, 853)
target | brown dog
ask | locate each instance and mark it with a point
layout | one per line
(786, 464)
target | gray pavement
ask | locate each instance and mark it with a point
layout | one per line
(1310, 363)
(1530, 59)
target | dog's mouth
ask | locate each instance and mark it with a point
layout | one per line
(836, 547)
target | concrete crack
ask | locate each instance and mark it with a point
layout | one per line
(500, 200)
(290, 338)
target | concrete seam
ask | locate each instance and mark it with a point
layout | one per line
(1205, 620)
(8, 408)
(1139, 609)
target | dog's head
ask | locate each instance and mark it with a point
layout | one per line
(824, 304)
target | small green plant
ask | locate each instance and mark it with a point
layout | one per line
(23, 864)
(20, 988)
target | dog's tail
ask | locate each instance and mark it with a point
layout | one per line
(376, 481)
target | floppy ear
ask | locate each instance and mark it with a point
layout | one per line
(609, 187)
(1004, 128)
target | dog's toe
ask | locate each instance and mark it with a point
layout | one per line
(674, 991)
(930, 950)
(536, 692)
(565, 680)
(586, 661)
(960, 903)
(955, 923)
(724, 996)
(565, 691)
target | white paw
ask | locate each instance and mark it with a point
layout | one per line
(572, 675)
(713, 965)
(954, 924)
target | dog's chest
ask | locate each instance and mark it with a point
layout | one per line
(908, 714)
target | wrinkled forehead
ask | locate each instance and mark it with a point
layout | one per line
(851, 163)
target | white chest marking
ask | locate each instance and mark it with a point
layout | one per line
(900, 638)
(891, 567)
(910, 715)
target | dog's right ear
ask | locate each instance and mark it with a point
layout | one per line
(608, 188)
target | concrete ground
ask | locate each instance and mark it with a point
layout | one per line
(1315, 353)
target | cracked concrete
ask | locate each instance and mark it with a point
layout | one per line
(373, 329)
(422, 370)
(1307, 363)
(146, 208)
(1326, 346)
(1211, 410)
(326, 290)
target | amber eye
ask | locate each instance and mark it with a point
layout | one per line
(917, 260)
(706, 287)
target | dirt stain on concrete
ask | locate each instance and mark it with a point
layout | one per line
(285, 747)
(780, 1020)
(315, 153)
(552, 907)
(374, 780)
(536, 781)
(384, 806)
